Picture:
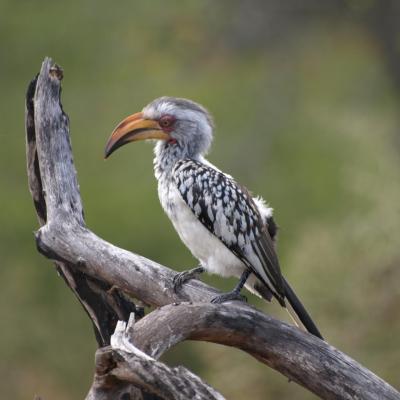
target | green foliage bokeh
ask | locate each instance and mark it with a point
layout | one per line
(310, 123)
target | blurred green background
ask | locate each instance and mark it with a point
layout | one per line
(306, 98)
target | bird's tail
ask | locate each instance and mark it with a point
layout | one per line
(297, 311)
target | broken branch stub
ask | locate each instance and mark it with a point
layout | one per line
(84, 257)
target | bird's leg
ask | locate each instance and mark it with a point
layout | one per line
(235, 293)
(184, 276)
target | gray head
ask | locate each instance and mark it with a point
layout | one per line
(191, 125)
(179, 124)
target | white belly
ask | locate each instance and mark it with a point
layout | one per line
(213, 255)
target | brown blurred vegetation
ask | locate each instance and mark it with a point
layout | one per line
(305, 95)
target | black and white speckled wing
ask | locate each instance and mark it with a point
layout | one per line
(228, 211)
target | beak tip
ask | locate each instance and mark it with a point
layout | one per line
(130, 129)
(107, 151)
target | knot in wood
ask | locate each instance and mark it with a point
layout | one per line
(56, 72)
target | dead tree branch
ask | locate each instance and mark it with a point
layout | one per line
(65, 239)
(104, 307)
(122, 366)
(300, 356)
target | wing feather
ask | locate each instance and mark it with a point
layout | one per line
(228, 211)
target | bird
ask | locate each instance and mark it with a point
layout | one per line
(229, 231)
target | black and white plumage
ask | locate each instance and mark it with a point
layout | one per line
(229, 214)
(226, 229)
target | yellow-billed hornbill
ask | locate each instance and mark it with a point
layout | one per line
(226, 229)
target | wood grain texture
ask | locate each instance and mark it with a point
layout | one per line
(64, 238)
(122, 367)
(47, 127)
(300, 356)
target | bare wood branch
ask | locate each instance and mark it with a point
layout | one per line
(300, 356)
(122, 365)
(65, 238)
(103, 306)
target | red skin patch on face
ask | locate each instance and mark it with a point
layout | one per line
(167, 123)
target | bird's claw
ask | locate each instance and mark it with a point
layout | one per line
(230, 296)
(182, 277)
(179, 279)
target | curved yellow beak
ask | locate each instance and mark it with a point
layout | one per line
(134, 128)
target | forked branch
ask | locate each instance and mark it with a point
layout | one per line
(122, 367)
(65, 239)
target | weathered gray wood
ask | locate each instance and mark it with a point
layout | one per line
(122, 365)
(104, 307)
(300, 356)
(118, 373)
(65, 238)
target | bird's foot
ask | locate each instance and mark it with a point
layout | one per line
(182, 277)
(230, 296)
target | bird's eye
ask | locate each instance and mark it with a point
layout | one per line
(166, 121)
